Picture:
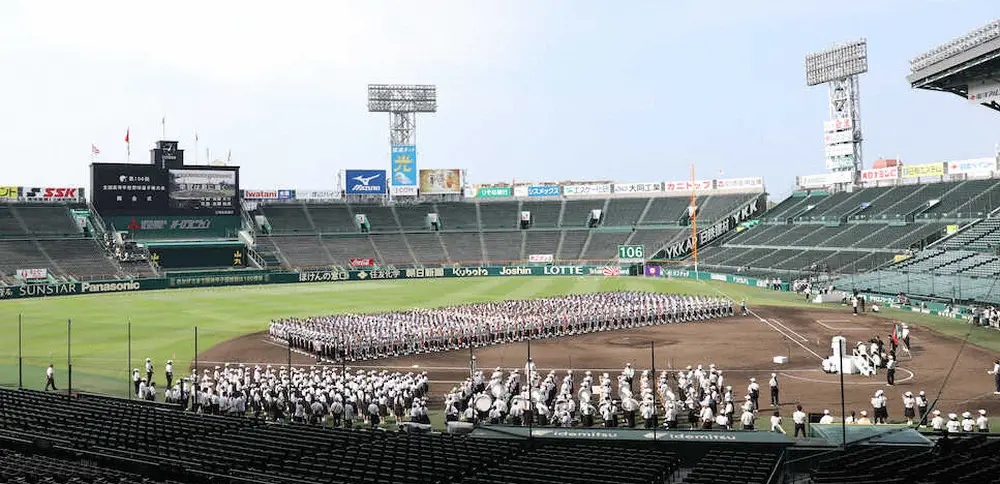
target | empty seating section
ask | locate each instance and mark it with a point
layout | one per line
(543, 214)
(845, 235)
(499, 215)
(427, 248)
(80, 257)
(792, 234)
(883, 200)
(791, 206)
(666, 210)
(302, 250)
(464, 247)
(604, 245)
(541, 242)
(343, 248)
(572, 244)
(502, 247)
(759, 234)
(393, 249)
(16, 467)
(576, 213)
(21, 254)
(287, 218)
(717, 206)
(624, 212)
(332, 218)
(959, 201)
(918, 199)
(972, 459)
(457, 216)
(824, 205)
(730, 466)
(9, 225)
(55, 220)
(414, 217)
(653, 239)
(559, 463)
(902, 236)
(380, 218)
(982, 236)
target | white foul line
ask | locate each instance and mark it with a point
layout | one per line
(831, 328)
(775, 321)
(793, 340)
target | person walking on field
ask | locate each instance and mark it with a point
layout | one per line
(50, 378)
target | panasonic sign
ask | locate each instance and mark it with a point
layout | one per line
(98, 287)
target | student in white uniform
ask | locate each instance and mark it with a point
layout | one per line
(953, 425)
(982, 423)
(968, 424)
(937, 423)
(776, 423)
(50, 378)
(864, 418)
(747, 419)
(827, 419)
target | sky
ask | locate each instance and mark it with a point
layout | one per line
(562, 89)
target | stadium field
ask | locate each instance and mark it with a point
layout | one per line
(163, 322)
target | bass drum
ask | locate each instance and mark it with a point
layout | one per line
(483, 403)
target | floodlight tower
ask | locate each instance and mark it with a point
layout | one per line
(402, 102)
(840, 67)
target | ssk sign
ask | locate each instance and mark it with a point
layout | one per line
(50, 193)
(362, 262)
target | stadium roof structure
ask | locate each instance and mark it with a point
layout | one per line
(970, 60)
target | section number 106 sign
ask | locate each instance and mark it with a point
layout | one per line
(631, 253)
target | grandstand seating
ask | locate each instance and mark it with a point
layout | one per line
(497, 215)
(543, 214)
(666, 210)
(625, 212)
(457, 216)
(287, 218)
(542, 242)
(392, 249)
(79, 256)
(727, 466)
(502, 247)
(576, 213)
(603, 245)
(428, 248)
(332, 218)
(464, 247)
(572, 244)
(199, 448)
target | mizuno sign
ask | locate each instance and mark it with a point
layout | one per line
(364, 182)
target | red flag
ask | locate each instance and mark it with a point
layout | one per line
(126, 134)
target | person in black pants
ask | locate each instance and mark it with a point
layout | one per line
(50, 378)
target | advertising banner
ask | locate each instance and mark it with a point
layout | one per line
(825, 179)
(440, 181)
(878, 174)
(43, 194)
(612, 271)
(920, 171)
(364, 182)
(404, 166)
(839, 150)
(836, 163)
(638, 187)
(33, 274)
(984, 92)
(268, 194)
(731, 183)
(166, 227)
(974, 166)
(541, 258)
(493, 192)
(543, 191)
(362, 262)
(838, 125)
(835, 137)
(653, 271)
(589, 189)
(315, 194)
(404, 191)
(9, 193)
(687, 185)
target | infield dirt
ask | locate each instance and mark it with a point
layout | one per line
(743, 347)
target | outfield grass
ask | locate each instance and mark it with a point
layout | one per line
(163, 321)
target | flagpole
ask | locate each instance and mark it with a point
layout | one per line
(163, 126)
(196, 147)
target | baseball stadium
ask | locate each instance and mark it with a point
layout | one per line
(167, 324)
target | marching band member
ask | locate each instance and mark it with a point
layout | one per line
(982, 423)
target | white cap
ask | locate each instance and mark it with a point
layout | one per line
(952, 416)
(826, 412)
(966, 414)
(773, 375)
(864, 413)
(937, 412)
(982, 412)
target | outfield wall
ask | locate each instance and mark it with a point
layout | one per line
(263, 276)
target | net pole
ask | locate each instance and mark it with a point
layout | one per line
(197, 374)
(69, 357)
(20, 356)
(653, 381)
(128, 364)
(694, 225)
